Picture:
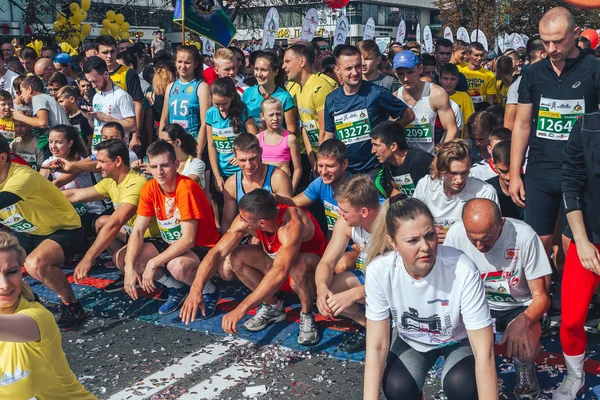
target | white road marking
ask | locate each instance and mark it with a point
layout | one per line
(212, 387)
(173, 373)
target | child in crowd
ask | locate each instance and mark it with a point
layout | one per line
(478, 129)
(449, 80)
(485, 170)
(7, 125)
(278, 146)
(18, 102)
(64, 142)
(46, 110)
(227, 118)
(26, 145)
(85, 90)
(67, 98)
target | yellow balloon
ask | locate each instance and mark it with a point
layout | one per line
(124, 35)
(110, 14)
(77, 18)
(104, 31)
(56, 25)
(86, 29)
(74, 7)
(73, 20)
(83, 14)
(85, 4)
(74, 41)
(141, 34)
(106, 23)
(113, 28)
(61, 17)
(125, 26)
(119, 19)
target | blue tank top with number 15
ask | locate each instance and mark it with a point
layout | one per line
(184, 106)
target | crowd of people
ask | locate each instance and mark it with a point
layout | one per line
(429, 199)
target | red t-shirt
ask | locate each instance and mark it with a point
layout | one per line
(210, 75)
(188, 202)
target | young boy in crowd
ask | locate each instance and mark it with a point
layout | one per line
(7, 125)
(67, 98)
(449, 80)
(26, 145)
(485, 170)
(46, 110)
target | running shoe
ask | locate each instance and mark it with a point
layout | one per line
(266, 315)
(527, 386)
(176, 299)
(570, 387)
(309, 332)
(117, 286)
(210, 304)
(71, 316)
(356, 342)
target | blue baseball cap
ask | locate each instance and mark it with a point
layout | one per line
(406, 59)
(63, 58)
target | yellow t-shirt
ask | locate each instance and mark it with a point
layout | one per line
(502, 92)
(310, 100)
(481, 83)
(119, 77)
(7, 129)
(43, 209)
(38, 369)
(128, 191)
(466, 107)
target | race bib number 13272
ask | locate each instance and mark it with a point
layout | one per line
(353, 127)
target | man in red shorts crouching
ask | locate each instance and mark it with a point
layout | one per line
(291, 244)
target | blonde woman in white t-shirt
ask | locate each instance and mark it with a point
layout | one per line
(437, 301)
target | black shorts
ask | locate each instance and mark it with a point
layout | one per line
(206, 159)
(160, 245)
(70, 240)
(543, 204)
(503, 318)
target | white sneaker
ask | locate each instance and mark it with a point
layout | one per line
(266, 315)
(569, 388)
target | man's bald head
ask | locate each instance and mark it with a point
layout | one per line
(44, 68)
(558, 15)
(483, 223)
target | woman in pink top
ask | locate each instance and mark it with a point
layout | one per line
(278, 146)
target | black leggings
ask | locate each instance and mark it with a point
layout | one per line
(458, 381)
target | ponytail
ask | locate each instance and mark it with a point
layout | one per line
(226, 88)
(379, 242)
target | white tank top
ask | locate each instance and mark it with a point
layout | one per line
(362, 238)
(419, 133)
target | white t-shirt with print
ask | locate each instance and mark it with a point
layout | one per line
(195, 167)
(115, 103)
(432, 312)
(517, 256)
(6, 81)
(448, 210)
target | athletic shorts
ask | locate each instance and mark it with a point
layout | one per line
(543, 204)
(419, 364)
(160, 245)
(70, 240)
(505, 317)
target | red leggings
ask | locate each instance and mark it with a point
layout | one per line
(578, 286)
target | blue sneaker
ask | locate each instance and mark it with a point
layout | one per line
(175, 300)
(210, 304)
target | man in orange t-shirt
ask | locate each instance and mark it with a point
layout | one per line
(187, 231)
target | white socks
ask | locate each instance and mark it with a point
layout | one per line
(209, 288)
(575, 365)
(170, 282)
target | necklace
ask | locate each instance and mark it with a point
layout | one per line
(270, 242)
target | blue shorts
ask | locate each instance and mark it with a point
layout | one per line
(360, 274)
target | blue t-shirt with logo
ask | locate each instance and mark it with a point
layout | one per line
(253, 100)
(320, 191)
(223, 136)
(352, 118)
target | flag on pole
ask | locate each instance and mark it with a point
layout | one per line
(206, 18)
